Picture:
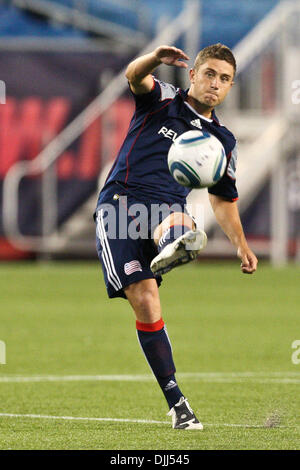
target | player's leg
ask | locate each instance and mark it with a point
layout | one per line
(153, 338)
(125, 264)
(126, 270)
(152, 335)
(178, 241)
(180, 219)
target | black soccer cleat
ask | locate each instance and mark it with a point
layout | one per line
(183, 416)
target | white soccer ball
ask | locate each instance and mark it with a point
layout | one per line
(197, 159)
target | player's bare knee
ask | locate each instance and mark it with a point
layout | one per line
(144, 299)
(176, 218)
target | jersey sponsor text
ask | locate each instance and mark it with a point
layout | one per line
(169, 133)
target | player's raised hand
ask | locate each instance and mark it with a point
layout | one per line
(139, 71)
(171, 56)
(249, 260)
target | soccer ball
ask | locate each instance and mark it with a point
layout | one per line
(197, 159)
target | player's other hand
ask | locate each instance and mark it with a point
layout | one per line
(249, 260)
(171, 56)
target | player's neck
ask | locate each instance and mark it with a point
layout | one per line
(200, 107)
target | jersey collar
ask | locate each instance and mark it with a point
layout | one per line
(183, 94)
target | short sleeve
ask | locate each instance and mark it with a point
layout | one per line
(160, 92)
(226, 187)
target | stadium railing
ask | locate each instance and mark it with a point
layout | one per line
(43, 163)
(135, 31)
(263, 123)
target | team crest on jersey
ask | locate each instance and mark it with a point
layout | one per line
(132, 267)
(167, 90)
(196, 123)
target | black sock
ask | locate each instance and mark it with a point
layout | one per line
(156, 346)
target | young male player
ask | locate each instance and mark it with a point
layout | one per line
(140, 175)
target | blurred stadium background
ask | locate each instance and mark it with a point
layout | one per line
(64, 110)
(67, 109)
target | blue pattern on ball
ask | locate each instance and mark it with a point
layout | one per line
(217, 174)
(194, 182)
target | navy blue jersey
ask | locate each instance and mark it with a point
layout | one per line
(141, 165)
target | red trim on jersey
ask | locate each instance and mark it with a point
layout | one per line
(139, 133)
(217, 122)
(133, 144)
(150, 327)
(117, 158)
(153, 86)
(235, 199)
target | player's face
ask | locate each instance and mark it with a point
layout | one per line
(211, 82)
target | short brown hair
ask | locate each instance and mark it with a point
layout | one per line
(215, 51)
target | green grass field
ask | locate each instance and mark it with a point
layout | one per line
(231, 336)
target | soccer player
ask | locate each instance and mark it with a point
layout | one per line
(134, 250)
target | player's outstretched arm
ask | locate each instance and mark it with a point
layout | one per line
(139, 71)
(227, 215)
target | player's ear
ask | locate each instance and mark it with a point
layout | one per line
(192, 75)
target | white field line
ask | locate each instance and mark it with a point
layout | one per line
(220, 377)
(123, 420)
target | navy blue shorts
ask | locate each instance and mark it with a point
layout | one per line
(124, 238)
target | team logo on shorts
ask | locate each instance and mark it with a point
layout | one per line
(132, 267)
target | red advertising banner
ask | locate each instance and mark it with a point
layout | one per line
(45, 91)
